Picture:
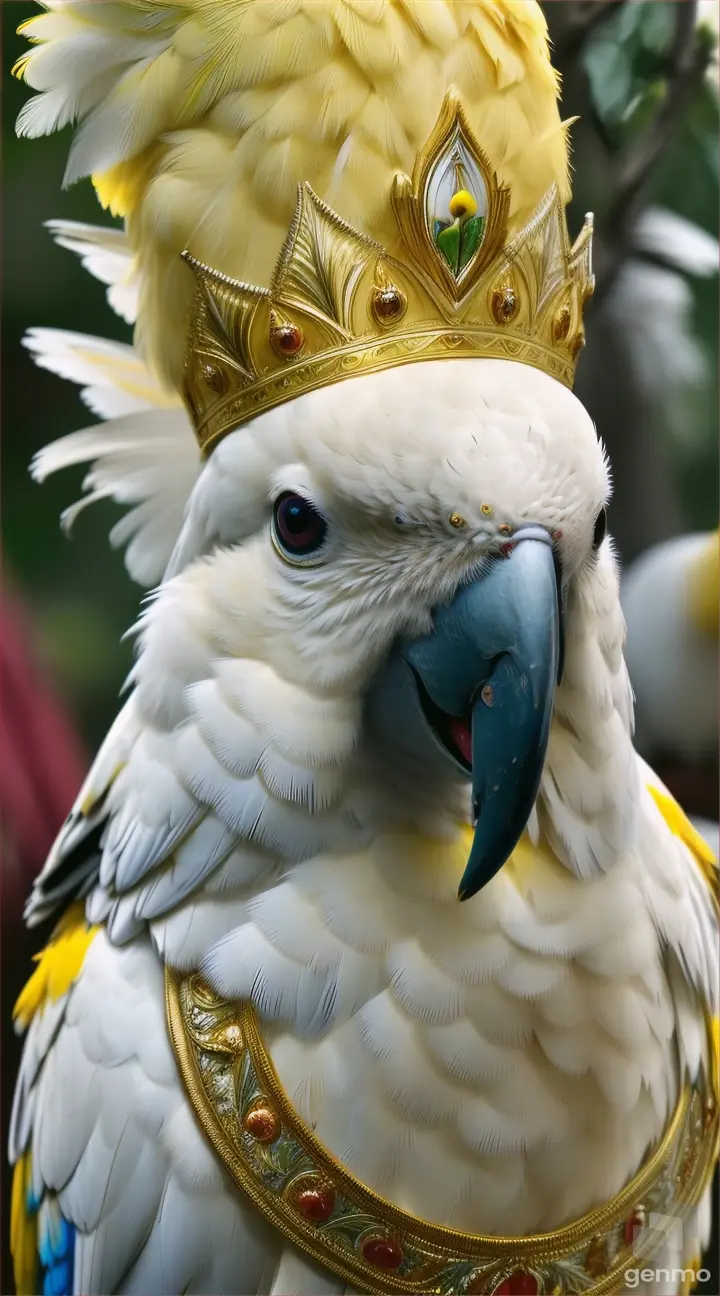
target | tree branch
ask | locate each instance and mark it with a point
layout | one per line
(687, 64)
(585, 17)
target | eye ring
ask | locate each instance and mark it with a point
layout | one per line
(600, 530)
(298, 530)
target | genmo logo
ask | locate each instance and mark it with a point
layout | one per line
(682, 1279)
(663, 1237)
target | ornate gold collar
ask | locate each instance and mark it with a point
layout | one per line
(299, 1187)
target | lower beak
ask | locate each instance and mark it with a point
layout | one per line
(491, 663)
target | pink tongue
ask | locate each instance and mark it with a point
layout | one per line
(462, 736)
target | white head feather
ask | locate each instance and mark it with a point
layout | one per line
(387, 459)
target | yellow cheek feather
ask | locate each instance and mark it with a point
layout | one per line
(58, 964)
(437, 866)
(703, 590)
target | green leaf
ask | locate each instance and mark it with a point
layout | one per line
(656, 25)
(470, 239)
(686, 179)
(642, 108)
(610, 75)
(448, 240)
(627, 22)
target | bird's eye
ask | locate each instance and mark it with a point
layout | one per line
(298, 529)
(600, 529)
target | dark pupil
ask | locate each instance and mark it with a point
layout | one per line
(299, 526)
(296, 518)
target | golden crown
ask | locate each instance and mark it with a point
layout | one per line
(339, 305)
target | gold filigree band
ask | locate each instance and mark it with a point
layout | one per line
(355, 359)
(314, 1202)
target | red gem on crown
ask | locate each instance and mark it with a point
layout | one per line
(286, 339)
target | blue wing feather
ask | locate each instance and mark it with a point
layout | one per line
(56, 1247)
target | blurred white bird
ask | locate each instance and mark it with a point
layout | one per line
(671, 601)
(666, 356)
(708, 16)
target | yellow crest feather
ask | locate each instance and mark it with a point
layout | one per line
(202, 143)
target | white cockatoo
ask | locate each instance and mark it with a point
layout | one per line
(671, 602)
(268, 1048)
(666, 356)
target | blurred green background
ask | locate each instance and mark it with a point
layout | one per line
(615, 74)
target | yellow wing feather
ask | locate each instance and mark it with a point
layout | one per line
(58, 964)
(679, 824)
(23, 1229)
(210, 115)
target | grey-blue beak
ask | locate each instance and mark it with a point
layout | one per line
(490, 665)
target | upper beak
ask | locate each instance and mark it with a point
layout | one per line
(494, 656)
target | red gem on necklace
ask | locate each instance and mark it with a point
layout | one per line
(634, 1225)
(518, 1284)
(316, 1204)
(383, 1252)
(262, 1124)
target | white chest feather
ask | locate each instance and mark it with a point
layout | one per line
(499, 1066)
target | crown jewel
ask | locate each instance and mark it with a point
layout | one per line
(338, 305)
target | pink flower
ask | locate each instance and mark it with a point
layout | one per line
(41, 762)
